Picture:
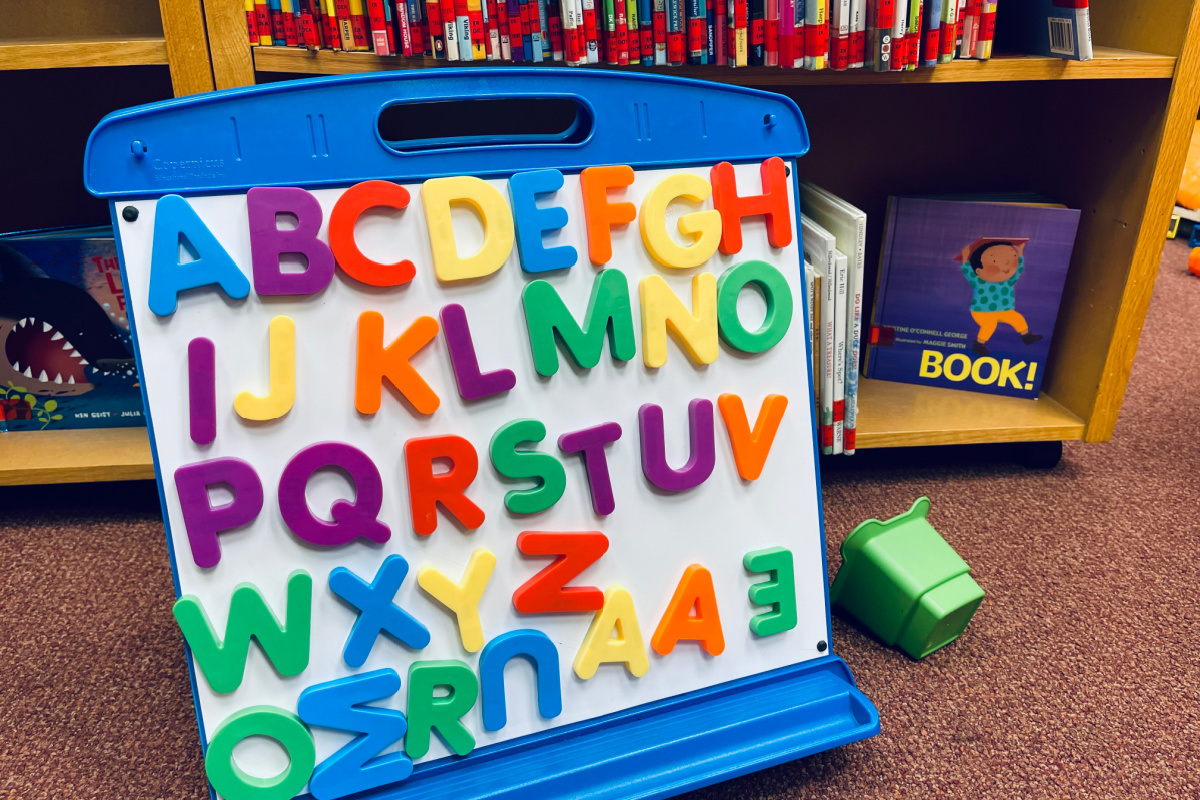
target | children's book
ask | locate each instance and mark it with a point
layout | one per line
(1053, 28)
(839, 352)
(968, 293)
(66, 359)
(821, 250)
(849, 228)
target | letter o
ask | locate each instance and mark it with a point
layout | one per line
(948, 367)
(976, 371)
(234, 783)
(775, 290)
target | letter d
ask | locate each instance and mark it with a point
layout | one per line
(437, 195)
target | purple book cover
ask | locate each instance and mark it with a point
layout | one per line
(968, 294)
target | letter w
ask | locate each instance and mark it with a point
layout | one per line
(223, 662)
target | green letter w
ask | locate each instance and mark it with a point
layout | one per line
(608, 310)
(224, 662)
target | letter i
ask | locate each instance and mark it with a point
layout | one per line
(202, 390)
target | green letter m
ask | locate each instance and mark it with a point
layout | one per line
(224, 662)
(608, 310)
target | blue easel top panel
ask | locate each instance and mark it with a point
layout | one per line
(324, 131)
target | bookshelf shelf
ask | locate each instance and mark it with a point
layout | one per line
(78, 456)
(100, 52)
(1109, 63)
(890, 415)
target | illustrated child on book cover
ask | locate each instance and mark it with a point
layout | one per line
(992, 267)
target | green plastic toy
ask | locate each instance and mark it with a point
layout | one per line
(901, 581)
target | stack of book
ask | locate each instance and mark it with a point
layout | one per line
(834, 237)
(881, 35)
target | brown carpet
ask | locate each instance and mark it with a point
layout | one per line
(1079, 677)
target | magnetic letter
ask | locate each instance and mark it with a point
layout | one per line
(533, 222)
(350, 519)
(350, 206)
(772, 203)
(268, 242)
(341, 705)
(600, 214)
(175, 224)
(547, 591)
(695, 591)
(376, 362)
(590, 442)
(537, 648)
(608, 311)
(202, 390)
(463, 598)
(654, 447)
(776, 292)
(702, 227)
(377, 610)
(510, 462)
(662, 311)
(601, 647)
(427, 711)
(472, 384)
(779, 591)
(232, 782)
(426, 488)
(204, 521)
(438, 195)
(223, 660)
(750, 449)
(282, 392)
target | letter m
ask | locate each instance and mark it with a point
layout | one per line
(223, 662)
(608, 311)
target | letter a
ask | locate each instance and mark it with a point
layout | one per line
(695, 591)
(176, 224)
(600, 646)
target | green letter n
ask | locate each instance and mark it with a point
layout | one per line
(608, 310)
(224, 662)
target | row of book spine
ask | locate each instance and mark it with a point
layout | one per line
(881, 35)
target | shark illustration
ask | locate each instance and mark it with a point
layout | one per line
(55, 339)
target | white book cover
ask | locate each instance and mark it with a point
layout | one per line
(848, 225)
(820, 246)
(839, 352)
(858, 32)
(450, 32)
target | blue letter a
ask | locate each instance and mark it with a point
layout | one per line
(174, 223)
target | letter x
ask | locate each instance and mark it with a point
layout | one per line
(376, 611)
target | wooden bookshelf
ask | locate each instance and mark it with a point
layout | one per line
(100, 52)
(890, 415)
(103, 454)
(1110, 63)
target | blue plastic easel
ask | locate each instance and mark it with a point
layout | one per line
(325, 132)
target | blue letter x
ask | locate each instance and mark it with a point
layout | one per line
(376, 611)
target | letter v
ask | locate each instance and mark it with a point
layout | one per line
(750, 449)
(547, 591)
(224, 662)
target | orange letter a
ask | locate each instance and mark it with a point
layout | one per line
(695, 590)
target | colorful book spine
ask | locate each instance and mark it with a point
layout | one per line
(899, 30)
(721, 33)
(912, 49)
(970, 30)
(987, 30)
(676, 49)
(462, 30)
(262, 21)
(449, 13)
(495, 40)
(696, 21)
(660, 32)
(329, 25)
(645, 32)
(516, 34)
(839, 34)
(544, 27)
(478, 34)
(816, 34)
(858, 33)
(554, 16)
(535, 51)
(570, 46)
(880, 19)
(291, 32)
(931, 41)
(276, 10)
(757, 55)
(709, 32)
(949, 25)
(377, 23)
(358, 26)
(433, 27)
(251, 21)
(798, 35)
